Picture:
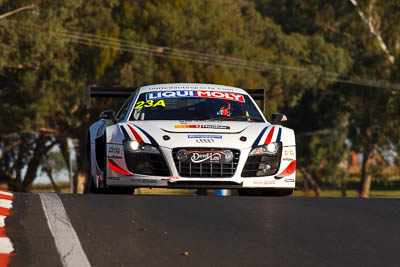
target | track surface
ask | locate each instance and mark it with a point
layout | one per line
(147, 230)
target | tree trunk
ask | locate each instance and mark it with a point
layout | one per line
(81, 163)
(344, 186)
(40, 150)
(311, 180)
(38, 153)
(365, 176)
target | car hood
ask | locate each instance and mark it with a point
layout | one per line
(200, 133)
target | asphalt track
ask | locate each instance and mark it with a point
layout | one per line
(153, 230)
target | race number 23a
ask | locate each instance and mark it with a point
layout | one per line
(149, 104)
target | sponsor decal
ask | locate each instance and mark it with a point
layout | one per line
(149, 104)
(112, 149)
(219, 127)
(195, 93)
(146, 181)
(289, 180)
(258, 182)
(197, 121)
(269, 182)
(288, 159)
(209, 157)
(289, 152)
(205, 136)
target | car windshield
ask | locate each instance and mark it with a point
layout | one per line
(195, 105)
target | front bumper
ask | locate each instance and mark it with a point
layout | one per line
(175, 180)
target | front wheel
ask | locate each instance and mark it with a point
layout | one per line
(90, 186)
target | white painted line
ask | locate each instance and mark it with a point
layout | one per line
(67, 242)
(5, 203)
(6, 193)
(2, 220)
(5, 245)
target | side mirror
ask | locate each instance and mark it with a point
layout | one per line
(108, 115)
(278, 118)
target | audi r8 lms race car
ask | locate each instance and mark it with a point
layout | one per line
(189, 136)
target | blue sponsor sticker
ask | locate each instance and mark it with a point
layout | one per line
(205, 136)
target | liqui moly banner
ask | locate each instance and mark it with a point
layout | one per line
(195, 93)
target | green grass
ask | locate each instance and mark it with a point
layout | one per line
(351, 193)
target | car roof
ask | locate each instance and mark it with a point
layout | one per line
(191, 86)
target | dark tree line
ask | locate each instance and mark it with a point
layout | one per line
(319, 62)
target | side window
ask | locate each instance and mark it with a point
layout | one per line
(125, 108)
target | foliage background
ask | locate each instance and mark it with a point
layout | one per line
(313, 58)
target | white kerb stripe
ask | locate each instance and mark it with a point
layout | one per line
(5, 246)
(6, 193)
(67, 242)
(5, 203)
(2, 220)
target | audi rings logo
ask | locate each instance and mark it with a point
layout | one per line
(204, 141)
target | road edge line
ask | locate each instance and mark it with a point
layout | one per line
(67, 242)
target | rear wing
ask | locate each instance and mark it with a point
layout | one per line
(258, 95)
(122, 92)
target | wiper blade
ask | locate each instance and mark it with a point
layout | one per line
(236, 118)
(249, 118)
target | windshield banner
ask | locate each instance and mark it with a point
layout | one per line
(195, 93)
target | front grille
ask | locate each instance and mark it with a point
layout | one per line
(204, 184)
(206, 170)
(146, 163)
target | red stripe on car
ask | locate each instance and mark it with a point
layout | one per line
(289, 170)
(269, 136)
(116, 168)
(137, 136)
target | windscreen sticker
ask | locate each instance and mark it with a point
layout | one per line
(219, 127)
(205, 136)
(195, 93)
(149, 104)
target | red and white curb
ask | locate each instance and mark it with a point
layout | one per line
(6, 247)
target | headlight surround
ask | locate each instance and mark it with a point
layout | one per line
(134, 146)
(268, 149)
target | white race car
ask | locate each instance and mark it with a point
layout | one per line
(189, 136)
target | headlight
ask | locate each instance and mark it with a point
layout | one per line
(134, 145)
(137, 147)
(269, 149)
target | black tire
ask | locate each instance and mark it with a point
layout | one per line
(265, 192)
(90, 186)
